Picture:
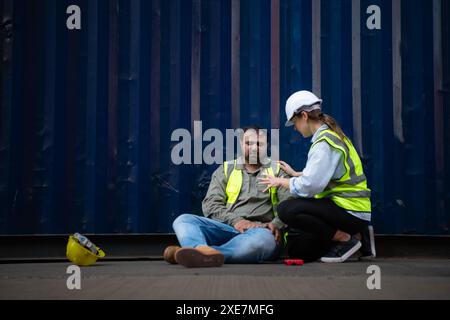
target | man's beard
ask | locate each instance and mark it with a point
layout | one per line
(254, 158)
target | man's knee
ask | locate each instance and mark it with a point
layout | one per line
(262, 241)
(183, 218)
(255, 245)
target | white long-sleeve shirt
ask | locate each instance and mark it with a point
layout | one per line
(324, 164)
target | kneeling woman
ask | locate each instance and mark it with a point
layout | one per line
(332, 202)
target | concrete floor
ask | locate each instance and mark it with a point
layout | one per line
(400, 279)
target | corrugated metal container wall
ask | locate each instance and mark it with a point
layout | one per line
(87, 115)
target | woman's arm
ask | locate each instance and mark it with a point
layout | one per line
(319, 170)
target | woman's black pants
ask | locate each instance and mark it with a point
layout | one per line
(313, 224)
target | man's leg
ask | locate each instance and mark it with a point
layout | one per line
(253, 246)
(193, 231)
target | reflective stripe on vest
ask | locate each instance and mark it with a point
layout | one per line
(234, 183)
(350, 191)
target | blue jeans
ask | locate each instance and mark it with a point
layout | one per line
(253, 246)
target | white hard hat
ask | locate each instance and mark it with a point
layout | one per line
(301, 101)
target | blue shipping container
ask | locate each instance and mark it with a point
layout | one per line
(86, 115)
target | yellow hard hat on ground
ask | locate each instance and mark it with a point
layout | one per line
(81, 251)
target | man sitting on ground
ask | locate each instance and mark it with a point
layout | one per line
(240, 223)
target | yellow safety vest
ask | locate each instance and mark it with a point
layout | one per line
(234, 183)
(350, 191)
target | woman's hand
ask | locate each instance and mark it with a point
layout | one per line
(270, 182)
(288, 169)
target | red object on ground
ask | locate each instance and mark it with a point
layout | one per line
(293, 262)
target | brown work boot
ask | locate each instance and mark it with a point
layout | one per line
(202, 256)
(169, 254)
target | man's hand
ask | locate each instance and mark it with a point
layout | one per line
(276, 232)
(273, 182)
(243, 225)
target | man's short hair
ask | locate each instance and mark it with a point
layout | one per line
(255, 128)
(258, 130)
